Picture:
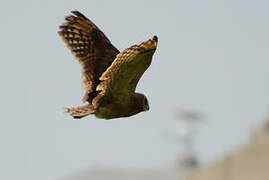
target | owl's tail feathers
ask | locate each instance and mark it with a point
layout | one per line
(81, 111)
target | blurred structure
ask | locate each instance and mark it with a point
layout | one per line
(187, 160)
(128, 174)
(250, 162)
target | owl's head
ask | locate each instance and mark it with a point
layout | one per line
(142, 102)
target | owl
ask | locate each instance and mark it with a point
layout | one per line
(109, 76)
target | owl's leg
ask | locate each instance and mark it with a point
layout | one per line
(81, 111)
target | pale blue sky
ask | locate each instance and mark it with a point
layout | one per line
(212, 56)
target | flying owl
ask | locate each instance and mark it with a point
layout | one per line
(109, 76)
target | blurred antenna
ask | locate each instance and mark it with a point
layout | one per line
(190, 115)
(190, 118)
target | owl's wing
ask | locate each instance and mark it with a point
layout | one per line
(91, 47)
(119, 81)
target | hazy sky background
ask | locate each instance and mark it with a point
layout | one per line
(212, 56)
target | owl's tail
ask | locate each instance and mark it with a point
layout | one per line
(81, 111)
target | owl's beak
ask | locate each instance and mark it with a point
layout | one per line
(146, 107)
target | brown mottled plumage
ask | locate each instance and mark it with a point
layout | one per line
(109, 77)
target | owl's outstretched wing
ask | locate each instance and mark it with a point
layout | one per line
(119, 81)
(91, 47)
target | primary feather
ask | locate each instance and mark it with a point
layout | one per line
(91, 47)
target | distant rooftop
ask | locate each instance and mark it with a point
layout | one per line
(127, 174)
(250, 162)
